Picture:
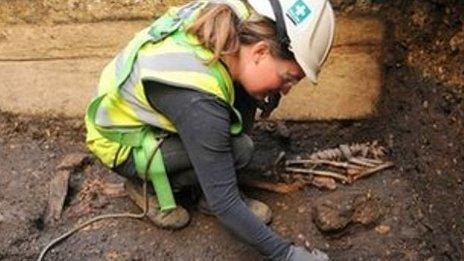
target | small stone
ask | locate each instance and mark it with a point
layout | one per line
(409, 233)
(369, 194)
(282, 130)
(425, 104)
(382, 229)
(114, 190)
(332, 217)
(440, 70)
(336, 211)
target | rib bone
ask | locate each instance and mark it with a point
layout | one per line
(334, 175)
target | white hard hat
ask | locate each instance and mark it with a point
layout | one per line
(309, 25)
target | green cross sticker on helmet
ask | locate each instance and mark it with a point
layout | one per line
(298, 12)
(309, 25)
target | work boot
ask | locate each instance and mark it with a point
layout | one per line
(260, 209)
(173, 219)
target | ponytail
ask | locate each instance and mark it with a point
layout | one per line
(219, 29)
(216, 28)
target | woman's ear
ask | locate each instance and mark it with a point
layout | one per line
(259, 50)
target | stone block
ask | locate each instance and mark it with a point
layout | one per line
(66, 41)
(80, 11)
(62, 87)
(55, 68)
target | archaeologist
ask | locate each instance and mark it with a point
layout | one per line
(175, 105)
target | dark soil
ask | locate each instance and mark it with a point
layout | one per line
(420, 120)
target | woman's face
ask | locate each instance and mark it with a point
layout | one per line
(261, 74)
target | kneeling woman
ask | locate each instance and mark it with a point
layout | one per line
(175, 104)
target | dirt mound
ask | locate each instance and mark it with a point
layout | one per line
(430, 33)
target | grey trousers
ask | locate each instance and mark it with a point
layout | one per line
(177, 163)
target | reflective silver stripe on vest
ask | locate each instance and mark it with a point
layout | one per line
(127, 92)
(171, 62)
(119, 64)
(186, 10)
(145, 114)
(168, 62)
(102, 118)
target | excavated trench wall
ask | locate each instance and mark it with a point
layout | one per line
(52, 51)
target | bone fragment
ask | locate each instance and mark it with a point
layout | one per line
(345, 149)
(371, 171)
(319, 173)
(339, 164)
(279, 158)
(324, 182)
(361, 162)
(282, 188)
(372, 161)
(348, 151)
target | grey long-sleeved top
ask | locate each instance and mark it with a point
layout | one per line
(203, 122)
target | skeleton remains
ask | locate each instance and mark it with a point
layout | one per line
(345, 164)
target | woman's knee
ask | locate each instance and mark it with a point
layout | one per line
(243, 149)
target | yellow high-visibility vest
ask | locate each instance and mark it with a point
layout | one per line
(163, 52)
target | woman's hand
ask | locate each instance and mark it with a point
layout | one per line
(297, 253)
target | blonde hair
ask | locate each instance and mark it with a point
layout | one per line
(220, 30)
